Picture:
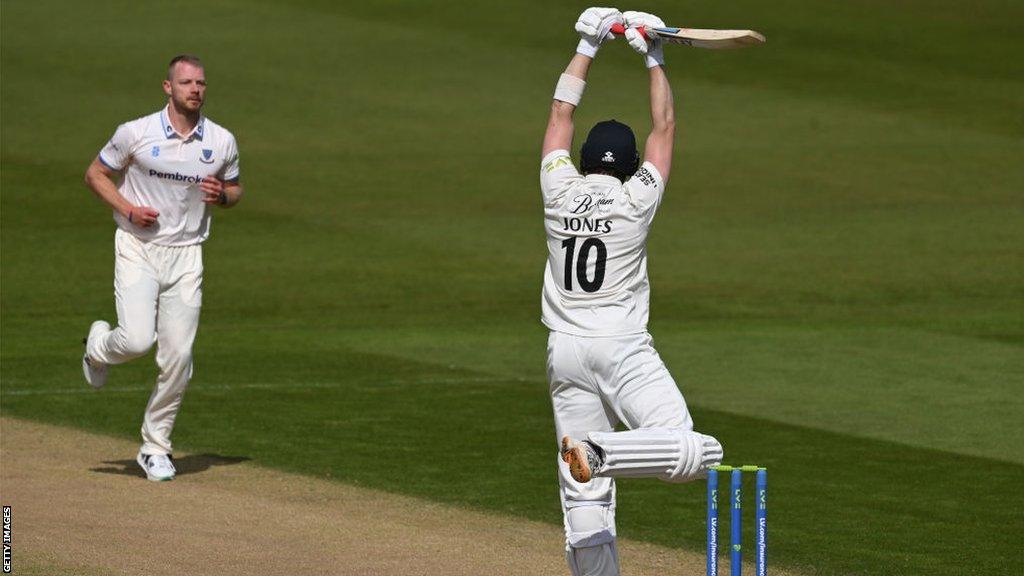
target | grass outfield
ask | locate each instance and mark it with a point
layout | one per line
(836, 268)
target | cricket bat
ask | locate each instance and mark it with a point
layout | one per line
(700, 37)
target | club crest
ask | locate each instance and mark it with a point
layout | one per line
(207, 156)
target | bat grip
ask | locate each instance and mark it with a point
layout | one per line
(620, 30)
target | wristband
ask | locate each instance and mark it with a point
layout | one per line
(587, 47)
(570, 89)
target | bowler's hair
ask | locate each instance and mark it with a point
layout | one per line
(186, 58)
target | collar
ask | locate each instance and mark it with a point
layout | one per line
(169, 131)
(604, 179)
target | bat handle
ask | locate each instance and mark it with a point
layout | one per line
(620, 30)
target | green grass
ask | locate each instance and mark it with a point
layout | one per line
(837, 268)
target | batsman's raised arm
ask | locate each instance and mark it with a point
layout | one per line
(594, 26)
(568, 93)
(658, 149)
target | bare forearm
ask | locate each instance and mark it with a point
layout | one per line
(663, 124)
(663, 115)
(558, 135)
(233, 193)
(105, 189)
(579, 66)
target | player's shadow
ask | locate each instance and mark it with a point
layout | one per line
(191, 464)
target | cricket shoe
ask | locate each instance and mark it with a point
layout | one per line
(158, 467)
(582, 457)
(95, 371)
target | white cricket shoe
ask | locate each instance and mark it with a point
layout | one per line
(95, 371)
(158, 467)
(582, 458)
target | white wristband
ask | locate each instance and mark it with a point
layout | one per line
(587, 48)
(570, 89)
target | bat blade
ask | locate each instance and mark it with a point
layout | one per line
(701, 37)
(708, 38)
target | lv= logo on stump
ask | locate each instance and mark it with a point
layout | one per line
(736, 520)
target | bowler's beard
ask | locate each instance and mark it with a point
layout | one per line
(187, 108)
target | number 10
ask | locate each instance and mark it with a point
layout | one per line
(581, 263)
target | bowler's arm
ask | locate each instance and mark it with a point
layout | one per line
(560, 123)
(658, 150)
(100, 179)
(223, 193)
(233, 193)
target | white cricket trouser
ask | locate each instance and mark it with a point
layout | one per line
(597, 382)
(158, 291)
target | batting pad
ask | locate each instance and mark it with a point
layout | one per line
(600, 560)
(589, 525)
(672, 455)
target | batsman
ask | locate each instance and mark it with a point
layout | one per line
(602, 367)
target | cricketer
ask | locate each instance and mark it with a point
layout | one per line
(161, 174)
(602, 367)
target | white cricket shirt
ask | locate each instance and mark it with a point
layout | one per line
(163, 170)
(595, 281)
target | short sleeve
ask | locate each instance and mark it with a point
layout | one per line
(230, 172)
(557, 175)
(646, 188)
(117, 154)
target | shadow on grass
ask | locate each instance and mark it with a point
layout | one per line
(191, 464)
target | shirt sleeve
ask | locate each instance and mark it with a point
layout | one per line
(646, 188)
(557, 175)
(230, 171)
(117, 154)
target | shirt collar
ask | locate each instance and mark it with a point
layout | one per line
(169, 131)
(603, 179)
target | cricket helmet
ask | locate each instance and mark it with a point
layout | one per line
(610, 145)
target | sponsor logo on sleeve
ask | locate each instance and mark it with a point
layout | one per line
(645, 176)
(557, 163)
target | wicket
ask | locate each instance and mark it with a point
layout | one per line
(736, 523)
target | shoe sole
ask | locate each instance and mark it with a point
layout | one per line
(150, 477)
(574, 456)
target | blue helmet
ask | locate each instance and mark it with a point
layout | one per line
(610, 146)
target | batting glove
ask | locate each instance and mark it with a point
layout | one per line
(594, 26)
(651, 48)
